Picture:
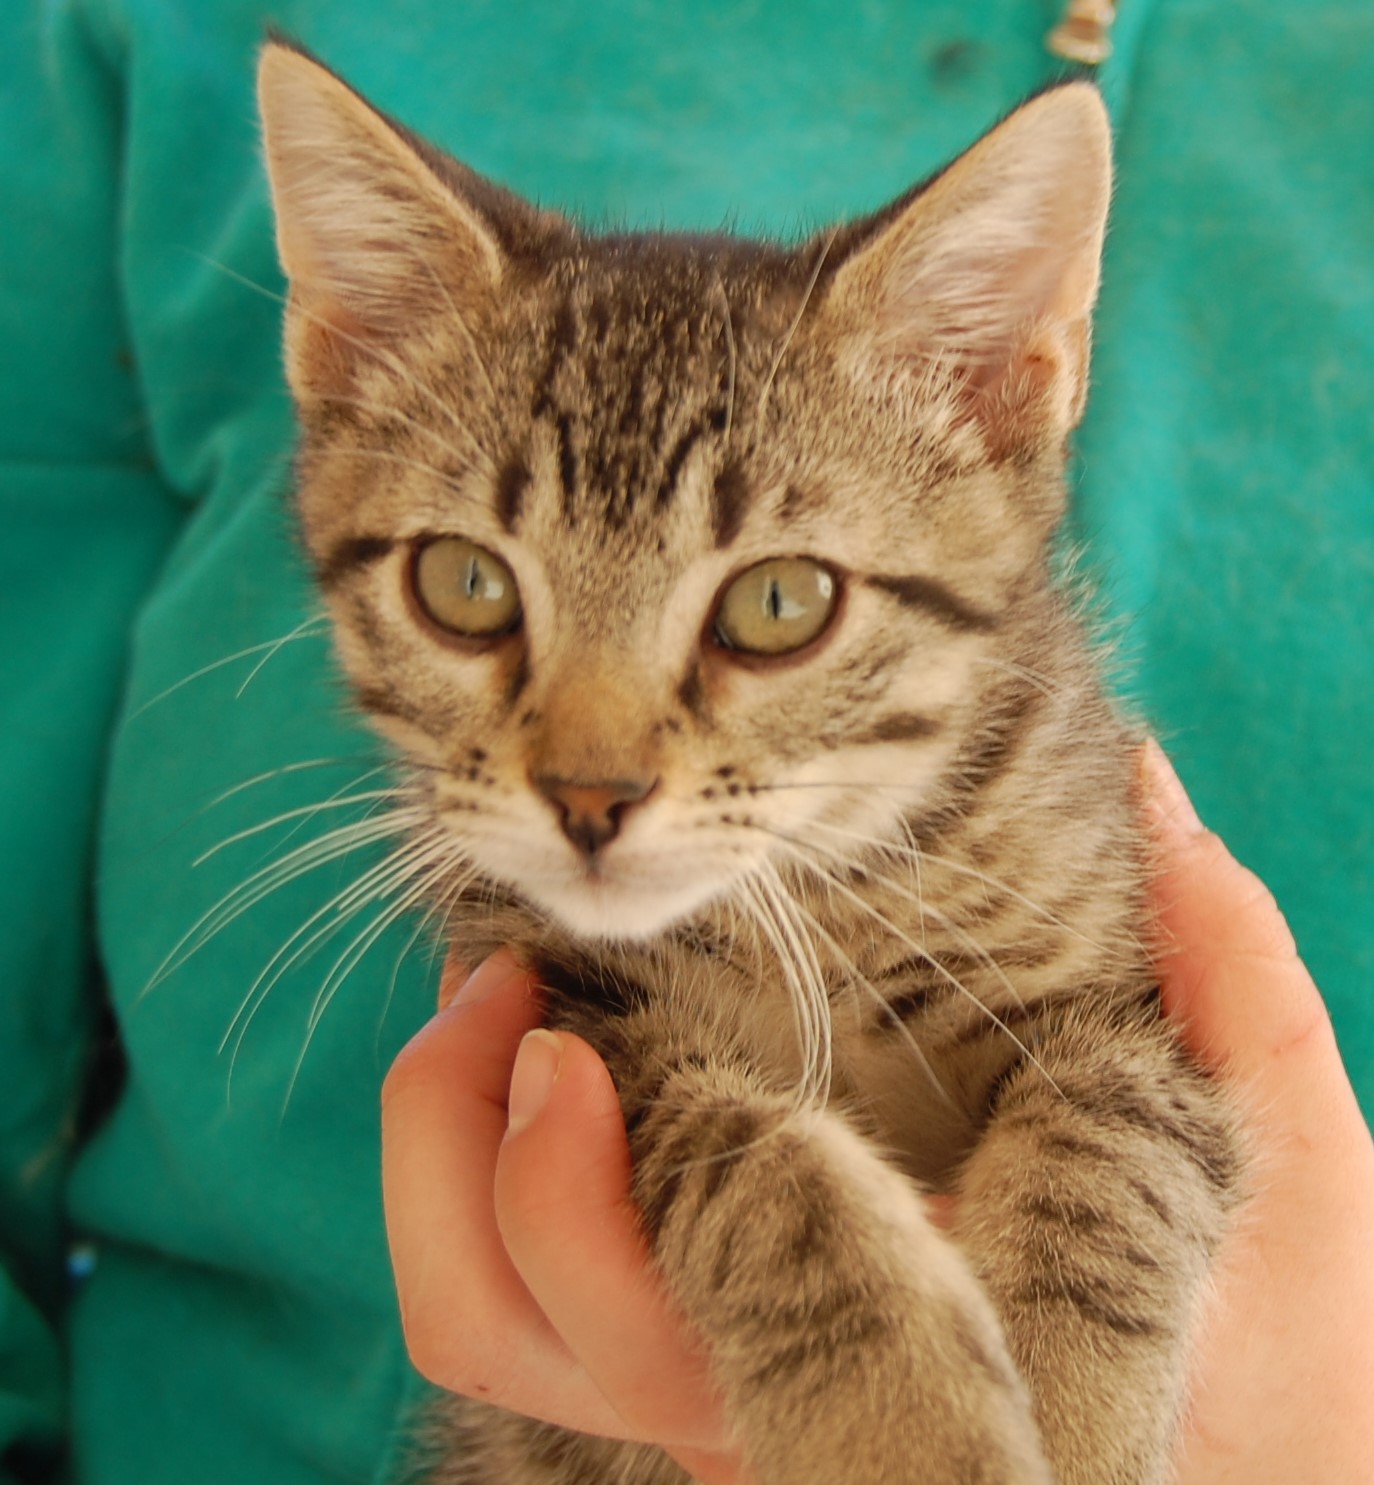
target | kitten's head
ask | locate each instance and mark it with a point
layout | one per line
(670, 557)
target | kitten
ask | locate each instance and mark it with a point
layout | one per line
(706, 587)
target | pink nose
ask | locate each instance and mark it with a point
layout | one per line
(591, 813)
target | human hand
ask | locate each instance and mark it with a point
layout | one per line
(1283, 1383)
(524, 1279)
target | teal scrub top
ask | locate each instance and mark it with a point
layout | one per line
(195, 1288)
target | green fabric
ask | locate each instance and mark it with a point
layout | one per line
(239, 1323)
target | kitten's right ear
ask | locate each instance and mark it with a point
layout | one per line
(371, 236)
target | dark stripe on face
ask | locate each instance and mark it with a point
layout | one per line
(934, 598)
(899, 727)
(349, 556)
(673, 467)
(567, 462)
(386, 701)
(692, 694)
(511, 484)
(517, 681)
(729, 502)
(793, 503)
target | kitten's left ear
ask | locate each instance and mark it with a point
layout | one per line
(990, 273)
(375, 230)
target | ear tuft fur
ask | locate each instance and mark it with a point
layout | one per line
(370, 236)
(990, 273)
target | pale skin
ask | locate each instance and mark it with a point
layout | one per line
(524, 1280)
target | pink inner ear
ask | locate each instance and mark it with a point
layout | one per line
(1033, 396)
(988, 277)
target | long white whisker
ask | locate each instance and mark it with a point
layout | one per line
(376, 882)
(304, 811)
(961, 868)
(357, 950)
(375, 353)
(766, 918)
(864, 983)
(795, 851)
(303, 630)
(268, 879)
(795, 325)
(299, 632)
(813, 980)
(941, 920)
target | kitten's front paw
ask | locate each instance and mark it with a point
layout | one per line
(852, 1343)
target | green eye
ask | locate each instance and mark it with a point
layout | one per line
(777, 606)
(465, 588)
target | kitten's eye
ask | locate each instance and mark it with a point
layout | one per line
(465, 588)
(777, 606)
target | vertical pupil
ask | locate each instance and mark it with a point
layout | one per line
(774, 603)
(472, 579)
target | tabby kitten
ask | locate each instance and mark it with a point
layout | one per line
(705, 586)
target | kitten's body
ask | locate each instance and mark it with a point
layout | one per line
(849, 919)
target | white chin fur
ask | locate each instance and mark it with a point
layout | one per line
(616, 909)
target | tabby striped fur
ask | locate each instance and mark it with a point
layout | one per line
(876, 925)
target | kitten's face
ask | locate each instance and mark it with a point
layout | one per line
(669, 559)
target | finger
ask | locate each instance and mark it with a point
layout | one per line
(563, 1202)
(470, 1323)
(1295, 1289)
(1229, 965)
(454, 977)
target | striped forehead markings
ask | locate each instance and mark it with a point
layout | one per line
(627, 432)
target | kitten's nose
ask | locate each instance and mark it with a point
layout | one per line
(591, 813)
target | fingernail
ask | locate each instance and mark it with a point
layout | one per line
(536, 1070)
(486, 979)
(1164, 791)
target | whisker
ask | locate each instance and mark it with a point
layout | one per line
(374, 353)
(961, 868)
(1041, 682)
(354, 954)
(376, 883)
(386, 456)
(794, 849)
(303, 630)
(268, 879)
(795, 325)
(304, 811)
(818, 1079)
(863, 982)
(731, 367)
(458, 320)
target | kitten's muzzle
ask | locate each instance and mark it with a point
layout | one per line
(591, 813)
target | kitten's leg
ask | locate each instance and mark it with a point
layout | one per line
(1091, 1210)
(850, 1340)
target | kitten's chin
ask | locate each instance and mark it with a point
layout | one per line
(597, 909)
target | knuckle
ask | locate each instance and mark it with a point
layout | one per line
(459, 1357)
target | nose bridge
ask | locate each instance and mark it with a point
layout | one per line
(593, 757)
(595, 730)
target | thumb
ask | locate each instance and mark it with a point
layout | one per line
(1230, 973)
(564, 1207)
